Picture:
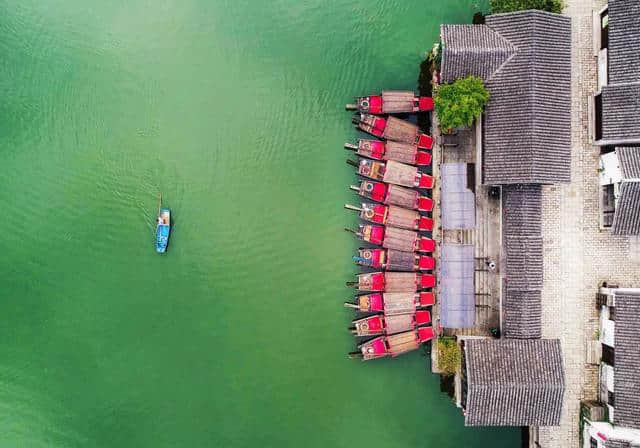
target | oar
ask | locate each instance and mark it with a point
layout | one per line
(159, 203)
(352, 207)
(354, 188)
(353, 163)
(350, 147)
(351, 305)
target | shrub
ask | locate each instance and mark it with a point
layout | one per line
(460, 103)
(449, 355)
(499, 6)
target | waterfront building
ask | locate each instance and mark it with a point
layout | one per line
(522, 142)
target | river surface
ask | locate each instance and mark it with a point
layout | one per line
(237, 336)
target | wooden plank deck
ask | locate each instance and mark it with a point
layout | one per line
(401, 131)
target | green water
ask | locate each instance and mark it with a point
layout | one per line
(237, 336)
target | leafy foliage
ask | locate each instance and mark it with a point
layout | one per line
(460, 103)
(449, 355)
(499, 6)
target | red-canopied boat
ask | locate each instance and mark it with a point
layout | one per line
(392, 102)
(381, 324)
(391, 215)
(393, 195)
(392, 303)
(393, 238)
(400, 152)
(392, 172)
(394, 260)
(394, 345)
(393, 282)
(392, 128)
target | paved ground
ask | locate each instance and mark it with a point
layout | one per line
(578, 255)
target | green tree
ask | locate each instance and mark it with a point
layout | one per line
(460, 103)
(499, 6)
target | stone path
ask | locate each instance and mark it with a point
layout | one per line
(578, 255)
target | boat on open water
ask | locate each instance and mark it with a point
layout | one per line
(380, 324)
(392, 128)
(163, 228)
(394, 345)
(392, 303)
(400, 152)
(390, 194)
(392, 215)
(392, 102)
(392, 172)
(393, 282)
(394, 260)
(394, 238)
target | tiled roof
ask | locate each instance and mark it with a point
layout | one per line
(513, 382)
(473, 50)
(522, 314)
(624, 41)
(527, 123)
(629, 159)
(617, 443)
(626, 220)
(626, 374)
(621, 112)
(620, 98)
(524, 262)
(521, 305)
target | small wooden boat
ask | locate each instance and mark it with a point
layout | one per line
(400, 152)
(393, 282)
(392, 303)
(392, 102)
(394, 260)
(163, 228)
(380, 324)
(394, 345)
(392, 128)
(392, 172)
(393, 216)
(393, 195)
(394, 238)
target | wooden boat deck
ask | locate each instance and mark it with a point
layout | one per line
(402, 197)
(400, 239)
(401, 152)
(399, 323)
(400, 282)
(400, 174)
(403, 342)
(399, 303)
(397, 101)
(402, 217)
(400, 261)
(401, 131)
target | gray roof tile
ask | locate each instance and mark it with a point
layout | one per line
(527, 123)
(513, 382)
(626, 220)
(626, 375)
(624, 41)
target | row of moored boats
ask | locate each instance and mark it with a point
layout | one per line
(396, 292)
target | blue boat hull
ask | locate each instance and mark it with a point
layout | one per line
(163, 230)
